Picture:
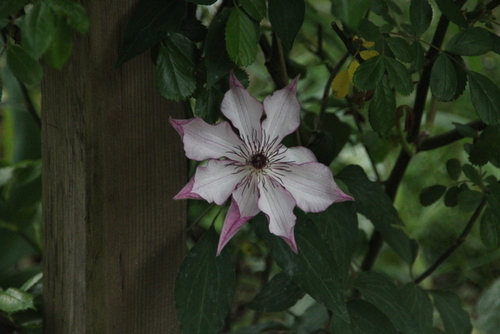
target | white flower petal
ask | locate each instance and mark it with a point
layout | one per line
(299, 155)
(278, 204)
(216, 181)
(282, 112)
(312, 186)
(204, 141)
(243, 207)
(243, 110)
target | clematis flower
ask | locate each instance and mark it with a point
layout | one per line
(254, 168)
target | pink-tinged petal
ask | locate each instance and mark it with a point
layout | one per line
(282, 112)
(204, 141)
(278, 204)
(312, 186)
(243, 207)
(299, 155)
(243, 110)
(216, 181)
(186, 193)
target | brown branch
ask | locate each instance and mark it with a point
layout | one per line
(460, 240)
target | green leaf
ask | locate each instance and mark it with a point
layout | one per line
(314, 268)
(431, 194)
(493, 197)
(175, 65)
(324, 147)
(460, 70)
(152, 21)
(204, 287)
(286, 17)
(73, 11)
(384, 295)
(450, 9)
(451, 196)
(443, 79)
(38, 29)
(15, 300)
(455, 319)
(9, 7)
(368, 319)
(495, 42)
(26, 69)
(486, 148)
(418, 63)
(454, 168)
(468, 200)
(382, 110)
(339, 225)
(369, 73)
(472, 41)
(60, 49)
(208, 103)
(279, 294)
(217, 60)
(32, 282)
(369, 31)
(420, 15)
(350, 12)
(485, 97)
(241, 38)
(255, 8)
(193, 29)
(399, 76)
(401, 49)
(419, 304)
(372, 202)
(490, 229)
(472, 174)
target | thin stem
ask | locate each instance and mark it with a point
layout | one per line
(460, 240)
(200, 217)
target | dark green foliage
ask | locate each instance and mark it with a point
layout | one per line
(23, 66)
(455, 319)
(399, 76)
(372, 202)
(490, 229)
(350, 12)
(286, 17)
(382, 110)
(152, 21)
(204, 287)
(255, 8)
(444, 79)
(38, 29)
(279, 294)
(366, 318)
(454, 168)
(175, 65)
(472, 41)
(451, 10)
(486, 148)
(401, 49)
(431, 194)
(468, 200)
(420, 15)
(485, 98)
(242, 36)
(369, 73)
(314, 268)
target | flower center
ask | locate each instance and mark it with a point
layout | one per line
(258, 161)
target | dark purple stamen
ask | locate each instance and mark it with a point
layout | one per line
(258, 161)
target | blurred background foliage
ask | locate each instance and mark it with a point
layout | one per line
(343, 137)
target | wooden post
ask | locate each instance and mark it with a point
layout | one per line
(114, 239)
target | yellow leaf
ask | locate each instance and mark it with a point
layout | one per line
(341, 83)
(352, 68)
(367, 54)
(368, 44)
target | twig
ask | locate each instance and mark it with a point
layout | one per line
(454, 246)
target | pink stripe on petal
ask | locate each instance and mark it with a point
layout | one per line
(232, 224)
(186, 193)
